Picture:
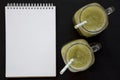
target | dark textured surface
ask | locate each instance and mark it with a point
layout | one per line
(107, 65)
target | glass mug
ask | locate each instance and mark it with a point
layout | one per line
(94, 18)
(81, 52)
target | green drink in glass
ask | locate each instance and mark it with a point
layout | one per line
(82, 54)
(95, 17)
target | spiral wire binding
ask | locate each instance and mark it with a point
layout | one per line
(30, 6)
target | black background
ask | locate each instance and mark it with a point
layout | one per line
(107, 64)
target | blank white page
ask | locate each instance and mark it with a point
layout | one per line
(30, 41)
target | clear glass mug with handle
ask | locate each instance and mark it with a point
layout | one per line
(81, 52)
(91, 19)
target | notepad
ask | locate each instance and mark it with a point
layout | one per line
(30, 40)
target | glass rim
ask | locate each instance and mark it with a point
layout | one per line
(84, 67)
(93, 32)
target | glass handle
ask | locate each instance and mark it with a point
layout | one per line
(96, 46)
(110, 10)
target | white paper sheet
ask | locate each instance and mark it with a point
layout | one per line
(30, 41)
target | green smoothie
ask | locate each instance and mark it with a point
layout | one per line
(81, 52)
(96, 17)
(81, 55)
